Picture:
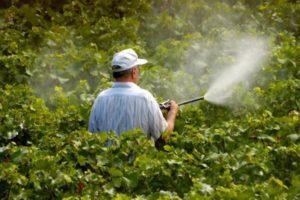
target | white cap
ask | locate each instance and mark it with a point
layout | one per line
(126, 59)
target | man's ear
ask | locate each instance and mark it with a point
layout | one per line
(132, 72)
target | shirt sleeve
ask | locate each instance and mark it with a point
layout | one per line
(157, 122)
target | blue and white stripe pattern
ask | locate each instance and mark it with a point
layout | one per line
(126, 106)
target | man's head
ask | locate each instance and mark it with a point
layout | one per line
(125, 66)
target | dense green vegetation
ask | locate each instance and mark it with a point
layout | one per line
(55, 58)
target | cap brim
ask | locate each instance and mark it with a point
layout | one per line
(139, 62)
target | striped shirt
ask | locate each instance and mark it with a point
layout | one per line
(126, 106)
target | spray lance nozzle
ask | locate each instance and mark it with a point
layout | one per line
(166, 104)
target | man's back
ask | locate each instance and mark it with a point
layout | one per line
(126, 106)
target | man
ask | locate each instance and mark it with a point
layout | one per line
(126, 106)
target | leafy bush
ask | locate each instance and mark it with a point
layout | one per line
(55, 58)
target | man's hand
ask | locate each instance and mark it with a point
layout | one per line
(173, 107)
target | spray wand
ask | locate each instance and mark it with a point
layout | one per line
(166, 105)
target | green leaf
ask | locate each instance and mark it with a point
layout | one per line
(293, 137)
(168, 148)
(131, 180)
(114, 172)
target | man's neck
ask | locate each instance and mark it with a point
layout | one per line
(125, 80)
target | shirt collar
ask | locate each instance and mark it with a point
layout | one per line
(124, 85)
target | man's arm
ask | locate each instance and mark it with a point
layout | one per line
(161, 141)
(157, 123)
(171, 119)
(92, 120)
